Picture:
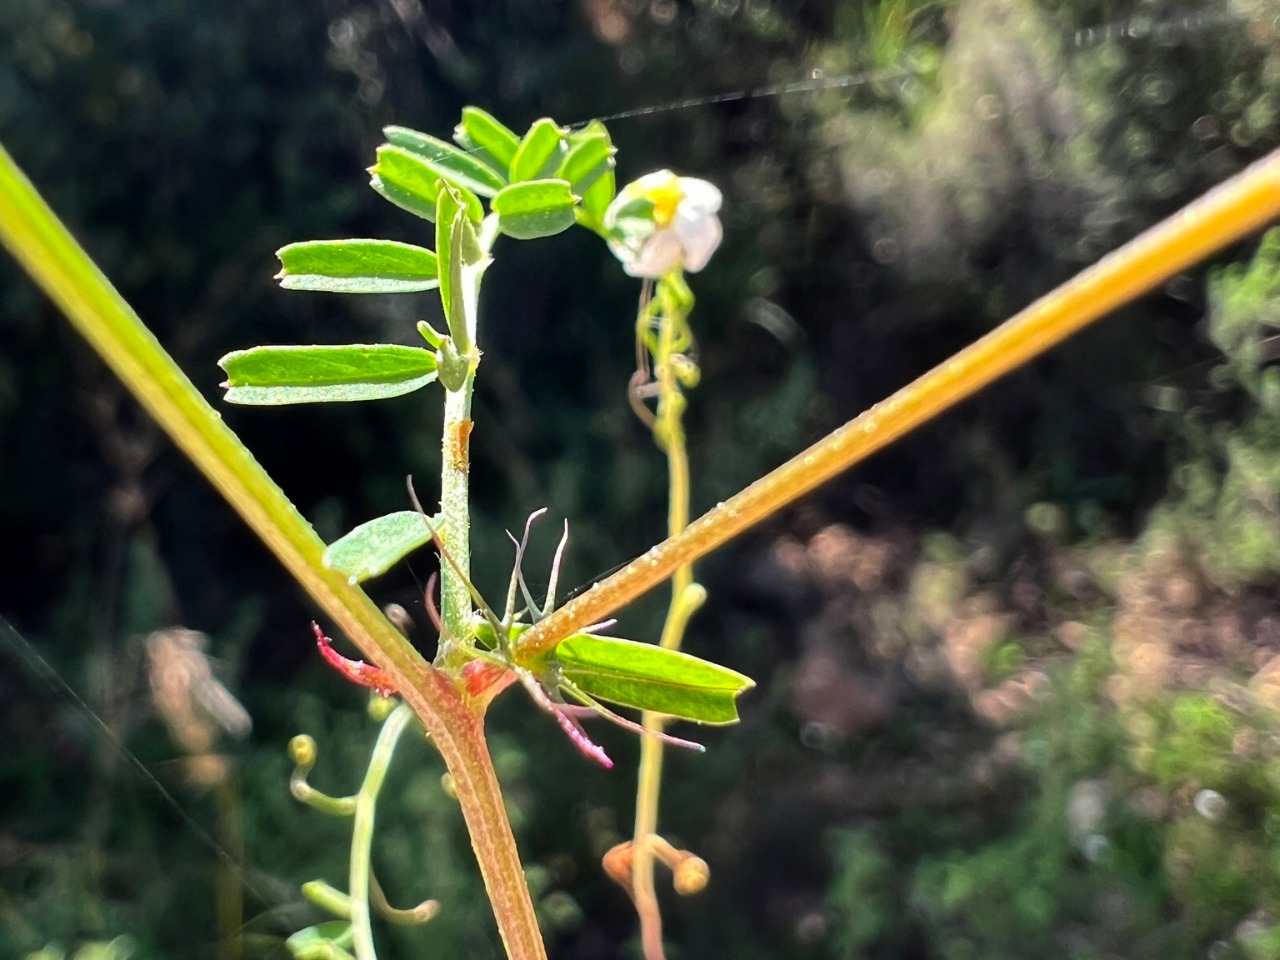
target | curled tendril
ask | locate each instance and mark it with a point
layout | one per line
(336, 902)
(690, 874)
(303, 753)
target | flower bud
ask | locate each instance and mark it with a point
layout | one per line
(302, 751)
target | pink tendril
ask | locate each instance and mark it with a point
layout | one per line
(580, 738)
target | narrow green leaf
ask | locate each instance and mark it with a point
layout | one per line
(271, 376)
(535, 208)
(649, 677)
(457, 166)
(357, 266)
(600, 193)
(408, 181)
(375, 547)
(589, 158)
(480, 131)
(539, 153)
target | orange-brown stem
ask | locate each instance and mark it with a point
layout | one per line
(459, 736)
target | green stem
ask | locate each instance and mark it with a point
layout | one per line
(669, 431)
(64, 271)
(1228, 213)
(362, 829)
(455, 456)
(455, 509)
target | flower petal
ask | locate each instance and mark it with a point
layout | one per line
(700, 234)
(700, 195)
(661, 254)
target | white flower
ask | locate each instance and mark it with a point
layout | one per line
(662, 222)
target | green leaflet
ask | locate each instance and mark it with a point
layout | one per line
(357, 266)
(271, 376)
(648, 677)
(493, 141)
(456, 166)
(600, 193)
(375, 546)
(589, 158)
(411, 183)
(461, 261)
(535, 208)
(539, 153)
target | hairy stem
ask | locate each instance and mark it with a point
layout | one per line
(455, 508)
(64, 271)
(466, 754)
(1228, 213)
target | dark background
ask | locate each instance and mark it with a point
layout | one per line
(1004, 668)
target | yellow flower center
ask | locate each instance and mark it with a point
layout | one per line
(665, 200)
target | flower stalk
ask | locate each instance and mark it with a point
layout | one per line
(358, 886)
(671, 366)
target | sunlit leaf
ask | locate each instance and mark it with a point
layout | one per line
(649, 677)
(535, 208)
(589, 158)
(597, 196)
(539, 153)
(375, 547)
(480, 131)
(357, 266)
(271, 376)
(408, 181)
(457, 166)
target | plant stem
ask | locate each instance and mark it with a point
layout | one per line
(1227, 213)
(455, 508)
(64, 271)
(466, 754)
(669, 431)
(362, 830)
